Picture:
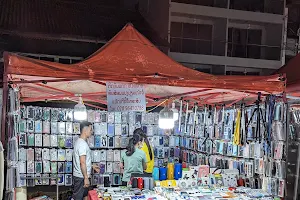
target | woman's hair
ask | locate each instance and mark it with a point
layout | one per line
(131, 145)
(140, 132)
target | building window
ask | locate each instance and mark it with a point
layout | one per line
(266, 6)
(244, 43)
(191, 38)
(242, 73)
(212, 3)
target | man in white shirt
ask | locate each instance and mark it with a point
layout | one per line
(82, 163)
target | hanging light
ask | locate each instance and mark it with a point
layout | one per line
(175, 112)
(80, 113)
(166, 118)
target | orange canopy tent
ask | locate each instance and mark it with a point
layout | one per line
(130, 57)
(292, 71)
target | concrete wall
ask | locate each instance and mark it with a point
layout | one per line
(156, 12)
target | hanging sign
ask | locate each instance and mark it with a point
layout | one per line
(122, 97)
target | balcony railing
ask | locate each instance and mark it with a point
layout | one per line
(217, 48)
(271, 6)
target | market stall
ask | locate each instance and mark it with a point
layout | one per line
(223, 123)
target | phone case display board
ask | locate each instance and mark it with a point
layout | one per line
(46, 137)
(251, 139)
(293, 151)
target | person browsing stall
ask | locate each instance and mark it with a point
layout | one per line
(82, 163)
(133, 159)
(146, 147)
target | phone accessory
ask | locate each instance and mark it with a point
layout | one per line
(46, 154)
(38, 154)
(69, 167)
(69, 141)
(54, 127)
(76, 128)
(53, 141)
(38, 127)
(111, 142)
(46, 179)
(46, 166)
(68, 180)
(61, 153)
(46, 140)
(118, 129)
(69, 155)
(53, 167)
(60, 167)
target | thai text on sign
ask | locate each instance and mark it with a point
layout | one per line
(122, 97)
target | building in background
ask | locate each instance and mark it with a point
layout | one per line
(232, 37)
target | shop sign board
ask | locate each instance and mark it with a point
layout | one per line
(125, 97)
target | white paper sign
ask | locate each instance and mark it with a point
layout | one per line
(122, 97)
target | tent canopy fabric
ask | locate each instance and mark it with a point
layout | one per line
(130, 57)
(292, 71)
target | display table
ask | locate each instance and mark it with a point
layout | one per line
(203, 193)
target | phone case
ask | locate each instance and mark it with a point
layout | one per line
(22, 167)
(23, 126)
(116, 167)
(46, 166)
(69, 141)
(111, 142)
(54, 114)
(103, 116)
(110, 155)
(118, 129)
(53, 167)
(91, 116)
(125, 130)
(76, 128)
(46, 140)
(38, 181)
(46, 154)
(53, 180)
(30, 126)
(124, 117)
(30, 167)
(22, 139)
(97, 116)
(60, 179)
(102, 155)
(104, 142)
(38, 167)
(124, 142)
(110, 117)
(69, 128)
(45, 180)
(61, 127)
(60, 167)
(117, 155)
(22, 154)
(53, 154)
(117, 141)
(109, 167)
(69, 167)
(118, 117)
(97, 129)
(102, 166)
(98, 141)
(22, 182)
(69, 115)
(61, 114)
(38, 127)
(68, 180)
(61, 139)
(30, 112)
(110, 130)
(30, 154)
(61, 155)
(54, 127)
(69, 155)
(38, 154)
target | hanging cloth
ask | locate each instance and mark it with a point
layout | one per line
(1, 170)
(236, 136)
(243, 126)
